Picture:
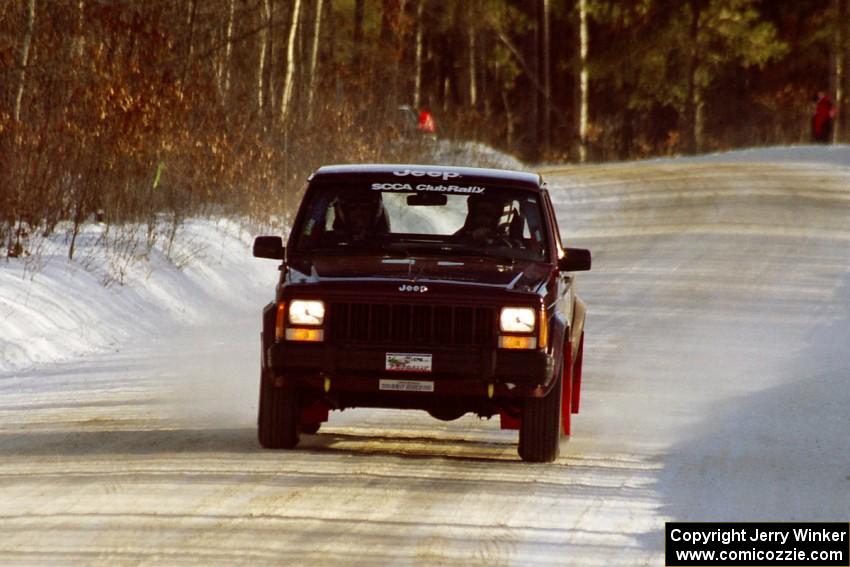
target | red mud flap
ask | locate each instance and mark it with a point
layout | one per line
(315, 413)
(577, 376)
(507, 421)
(567, 389)
(570, 392)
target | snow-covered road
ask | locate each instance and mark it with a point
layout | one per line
(717, 387)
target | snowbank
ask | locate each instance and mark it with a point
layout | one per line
(117, 290)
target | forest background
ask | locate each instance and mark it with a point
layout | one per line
(121, 111)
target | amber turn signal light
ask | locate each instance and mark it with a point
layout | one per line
(305, 335)
(514, 342)
(543, 329)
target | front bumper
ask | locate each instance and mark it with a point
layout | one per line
(455, 371)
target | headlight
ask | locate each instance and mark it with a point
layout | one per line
(517, 320)
(306, 312)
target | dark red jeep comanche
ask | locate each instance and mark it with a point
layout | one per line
(444, 289)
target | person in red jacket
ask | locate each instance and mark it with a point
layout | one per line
(822, 119)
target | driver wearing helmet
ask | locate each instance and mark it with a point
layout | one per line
(483, 220)
(360, 215)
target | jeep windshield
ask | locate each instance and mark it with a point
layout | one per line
(421, 219)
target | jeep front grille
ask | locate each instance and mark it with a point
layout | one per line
(397, 324)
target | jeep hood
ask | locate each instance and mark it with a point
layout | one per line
(520, 275)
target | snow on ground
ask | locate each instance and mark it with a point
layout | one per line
(838, 154)
(116, 290)
(715, 389)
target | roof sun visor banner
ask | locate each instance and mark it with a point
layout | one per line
(426, 187)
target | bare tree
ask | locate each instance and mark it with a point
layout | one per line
(839, 75)
(25, 54)
(79, 41)
(583, 81)
(547, 74)
(190, 43)
(314, 59)
(264, 41)
(228, 50)
(692, 116)
(289, 79)
(473, 85)
(467, 21)
(358, 33)
(417, 65)
(531, 102)
(391, 38)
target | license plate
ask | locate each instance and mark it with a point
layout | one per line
(406, 362)
(406, 385)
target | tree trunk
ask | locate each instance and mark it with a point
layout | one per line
(358, 34)
(417, 65)
(626, 134)
(689, 129)
(465, 25)
(531, 54)
(228, 50)
(390, 35)
(264, 40)
(839, 77)
(509, 122)
(547, 75)
(79, 41)
(25, 54)
(699, 118)
(314, 59)
(473, 87)
(190, 47)
(288, 82)
(79, 217)
(583, 81)
(273, 55)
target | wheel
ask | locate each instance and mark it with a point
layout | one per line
(310, 428)
(540, 427)
(279, 420)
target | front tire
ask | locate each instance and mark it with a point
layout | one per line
(540, 427)
(279, 420)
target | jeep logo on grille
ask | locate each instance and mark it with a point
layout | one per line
(413, 288)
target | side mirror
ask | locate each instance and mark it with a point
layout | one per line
(269, 247)
(575, 260)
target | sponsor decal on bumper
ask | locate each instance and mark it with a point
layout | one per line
(406, 362)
